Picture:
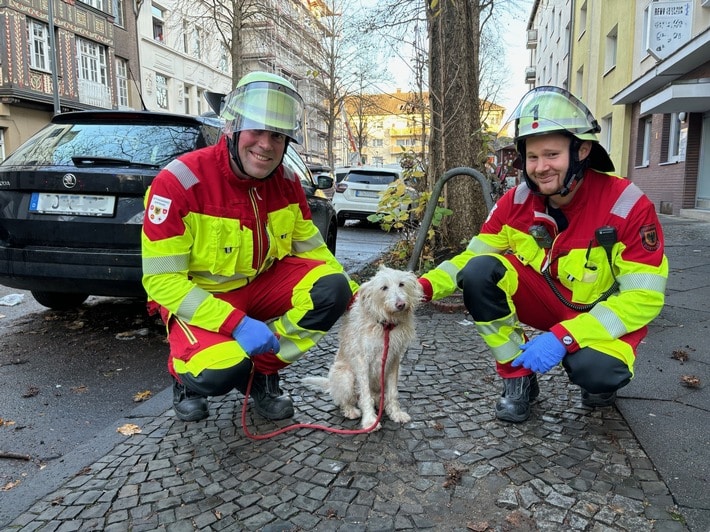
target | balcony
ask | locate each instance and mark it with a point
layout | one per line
(96, 94)
(532, 40)
(530, 74)
(406, 132)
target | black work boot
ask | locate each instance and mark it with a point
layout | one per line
(269, 401)
(189, 405)
(514, 404)
(594, 400)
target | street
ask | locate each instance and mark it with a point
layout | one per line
(67, 375)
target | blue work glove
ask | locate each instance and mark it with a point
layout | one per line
(541, 354)
(255, 337)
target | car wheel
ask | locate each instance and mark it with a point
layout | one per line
(341, 220)
(59, 300)
(332, 237)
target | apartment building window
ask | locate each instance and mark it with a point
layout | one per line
(2, 144)
(378, 143)
(187, 94)
(161, 91)
(605, 135)
(200, 95)
(98, 4)
(117, 10)
(646, 28)
(223, 58)
(582, 18)
(122, 83)
(643, 142)
(92, 62)
(579, 81)
(197, 42)
(671, 137)
(38, 42)
(158, 22)
(611, 49)
(185, 36)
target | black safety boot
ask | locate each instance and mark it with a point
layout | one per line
(594, 400)
(189, 405)
(514, 404)
(269, 401)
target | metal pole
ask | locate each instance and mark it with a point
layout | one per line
(52, 44)
(434, 199)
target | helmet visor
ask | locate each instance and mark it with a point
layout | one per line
(267, 106)
(550, 109)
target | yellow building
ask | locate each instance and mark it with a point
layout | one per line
(381, 128)
(601, 66)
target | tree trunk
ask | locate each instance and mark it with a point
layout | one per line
(456, 139)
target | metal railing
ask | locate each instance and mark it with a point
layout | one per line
(434, 200)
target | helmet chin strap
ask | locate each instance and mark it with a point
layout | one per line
(233, 142)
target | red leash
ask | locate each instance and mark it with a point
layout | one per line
(322, 427)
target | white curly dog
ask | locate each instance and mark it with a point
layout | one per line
(385, 303)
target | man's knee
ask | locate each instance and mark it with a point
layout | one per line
(479, 279)
(219, 381)
(330, 296)
(595, 371)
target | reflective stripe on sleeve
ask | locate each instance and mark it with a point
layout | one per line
(189, 305)
(609, 320)
(165, 264)
(184, 175)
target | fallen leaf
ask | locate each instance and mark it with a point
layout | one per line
(31, 391)
(10, 485)
(6, 422)
(129, 429)
(691, 381)
(680, 354)
(80, 389)
(142, 396)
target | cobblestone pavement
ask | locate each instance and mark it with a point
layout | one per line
(453, 467)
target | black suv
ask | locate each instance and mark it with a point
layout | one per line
(71, 201)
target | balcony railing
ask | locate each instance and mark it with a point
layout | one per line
(96, 94)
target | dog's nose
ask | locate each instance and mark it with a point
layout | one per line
(401, 305)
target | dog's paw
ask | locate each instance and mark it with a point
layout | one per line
(367, 422)
(400, 416)
(351, 412)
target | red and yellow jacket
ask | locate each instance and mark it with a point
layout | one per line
(575, 259)
(207, 231)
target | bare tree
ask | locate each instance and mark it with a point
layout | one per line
(349, 68)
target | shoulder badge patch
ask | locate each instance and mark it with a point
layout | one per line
(649, 237)
(158, 209)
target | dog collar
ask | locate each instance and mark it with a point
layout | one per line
(388, 325)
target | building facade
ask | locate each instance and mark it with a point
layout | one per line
(93, 44)
(643, 69)
(380, 129)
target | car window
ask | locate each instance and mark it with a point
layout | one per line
(369, 178)
(296, 164)
(135, 143)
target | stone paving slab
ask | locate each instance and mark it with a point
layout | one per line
(453, 467)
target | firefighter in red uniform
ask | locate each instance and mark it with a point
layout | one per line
(233, 262)
(572, 251)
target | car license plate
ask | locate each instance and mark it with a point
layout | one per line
(367, 194)
(76, 204)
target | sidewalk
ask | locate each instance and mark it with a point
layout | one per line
(643, 466)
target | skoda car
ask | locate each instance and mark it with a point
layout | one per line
(71, 201)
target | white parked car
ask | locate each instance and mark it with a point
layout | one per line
(357, 196)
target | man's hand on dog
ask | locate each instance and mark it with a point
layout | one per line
(255, 337)
(541, 354)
